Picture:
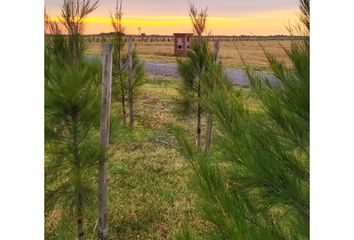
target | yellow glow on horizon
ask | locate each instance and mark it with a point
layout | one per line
(259, 23)
(131, 22)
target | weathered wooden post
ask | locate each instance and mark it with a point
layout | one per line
(216, 50)
(105, 119)
(210, 118)
(130, 83)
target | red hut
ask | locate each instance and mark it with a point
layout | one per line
(182, 43)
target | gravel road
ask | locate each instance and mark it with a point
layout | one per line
(238, 77)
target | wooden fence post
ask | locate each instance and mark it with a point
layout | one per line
(130, 83)
(210, 118)
(216, 51)
(105, 119)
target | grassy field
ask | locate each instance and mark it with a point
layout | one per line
(149, 181)
(250, 50)
(150, 195)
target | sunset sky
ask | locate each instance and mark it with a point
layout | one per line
(165, 17)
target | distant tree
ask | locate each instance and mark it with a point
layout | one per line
(120, 63)
(71, 115)
(257, 185)
(119, 70)
(73, 13)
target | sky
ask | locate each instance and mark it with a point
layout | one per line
(165, 17)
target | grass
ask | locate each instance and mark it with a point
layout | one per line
(163, 52)
(149, 181)
(150, 195)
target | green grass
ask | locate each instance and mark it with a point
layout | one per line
(149, 192)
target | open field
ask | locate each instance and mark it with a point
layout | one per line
(163, 52)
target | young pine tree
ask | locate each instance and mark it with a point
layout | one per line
(72, 106)
(192, 69)
(120, 64)
(119, 70)
(257, 185)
